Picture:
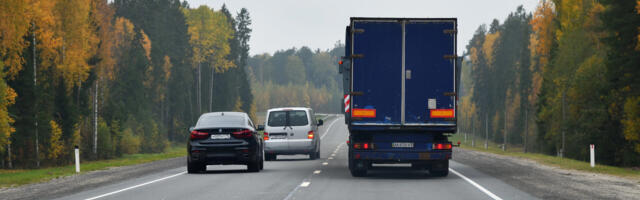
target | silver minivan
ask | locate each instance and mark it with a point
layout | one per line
(291, 130)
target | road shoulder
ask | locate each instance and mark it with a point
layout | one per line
(548, 182)
(77, 183)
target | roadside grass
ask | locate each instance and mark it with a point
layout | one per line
(564, 163)
(14, 178)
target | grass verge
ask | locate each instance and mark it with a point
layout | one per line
(564, 163)
(14, 178)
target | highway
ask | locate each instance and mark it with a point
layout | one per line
(297, 177)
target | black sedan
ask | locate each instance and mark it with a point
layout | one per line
(224, 138)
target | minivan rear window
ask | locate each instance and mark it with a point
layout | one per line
(277, 118)
(298, 118)
(288, 118)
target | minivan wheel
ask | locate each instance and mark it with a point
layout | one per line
(269, 156)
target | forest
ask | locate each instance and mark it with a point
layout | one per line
(114, 77)
(558, 79)
(298, 77)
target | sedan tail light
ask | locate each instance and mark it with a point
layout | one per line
(265, 135)
(195, 135)
(242, 134)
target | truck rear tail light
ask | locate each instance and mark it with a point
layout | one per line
(363, 145)
(265, 136)
(242, 134)
(310, 135)
(196, 135)
(441, 146)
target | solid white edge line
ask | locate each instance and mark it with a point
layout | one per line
(493, 196)
(329, 128)
(135, 186)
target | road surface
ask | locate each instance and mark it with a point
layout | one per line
(297, 177)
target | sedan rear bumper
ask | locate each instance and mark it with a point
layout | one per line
(221, 154)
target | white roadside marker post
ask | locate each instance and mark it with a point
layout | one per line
(77, 152)
(592, 149)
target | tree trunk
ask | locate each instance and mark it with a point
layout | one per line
(95, 121)
(198, 94)
(35, 85)
(9, 155)
(211, 90)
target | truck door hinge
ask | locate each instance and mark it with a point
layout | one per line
(449, 94)
(450, 31)
(356, 93)
(357, 30)
(357, 56)
(450, 57)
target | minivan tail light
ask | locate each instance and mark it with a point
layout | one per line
(242, 134)
(265, 135)
(310, 135)
(198, 135)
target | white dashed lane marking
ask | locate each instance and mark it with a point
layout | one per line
(305, 184)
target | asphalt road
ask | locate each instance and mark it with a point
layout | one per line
(297, 177)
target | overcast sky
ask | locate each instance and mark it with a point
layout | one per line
(282, 24)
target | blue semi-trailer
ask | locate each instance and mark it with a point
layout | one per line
(400, 98)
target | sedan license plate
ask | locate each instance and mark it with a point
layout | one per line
(220, 136)
(402, 145)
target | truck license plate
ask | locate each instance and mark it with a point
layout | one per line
(220, 136)
(402, 145)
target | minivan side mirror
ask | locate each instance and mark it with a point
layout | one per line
(260, 127)
(191, 129)
(320, 122)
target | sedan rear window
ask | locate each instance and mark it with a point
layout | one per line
(220, 121)
(288, 118)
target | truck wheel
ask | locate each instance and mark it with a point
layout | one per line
(440, 169)
(439, 173)
(359, 172)
(355, 170)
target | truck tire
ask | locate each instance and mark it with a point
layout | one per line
(355, 171)
(440, 169)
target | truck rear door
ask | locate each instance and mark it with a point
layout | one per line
(376, 72)
(429, 72)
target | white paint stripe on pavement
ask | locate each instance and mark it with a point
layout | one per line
(305, 184)
(136, 186)
(325, 163)
(317, 172)
(329, 128)
(493, 196)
